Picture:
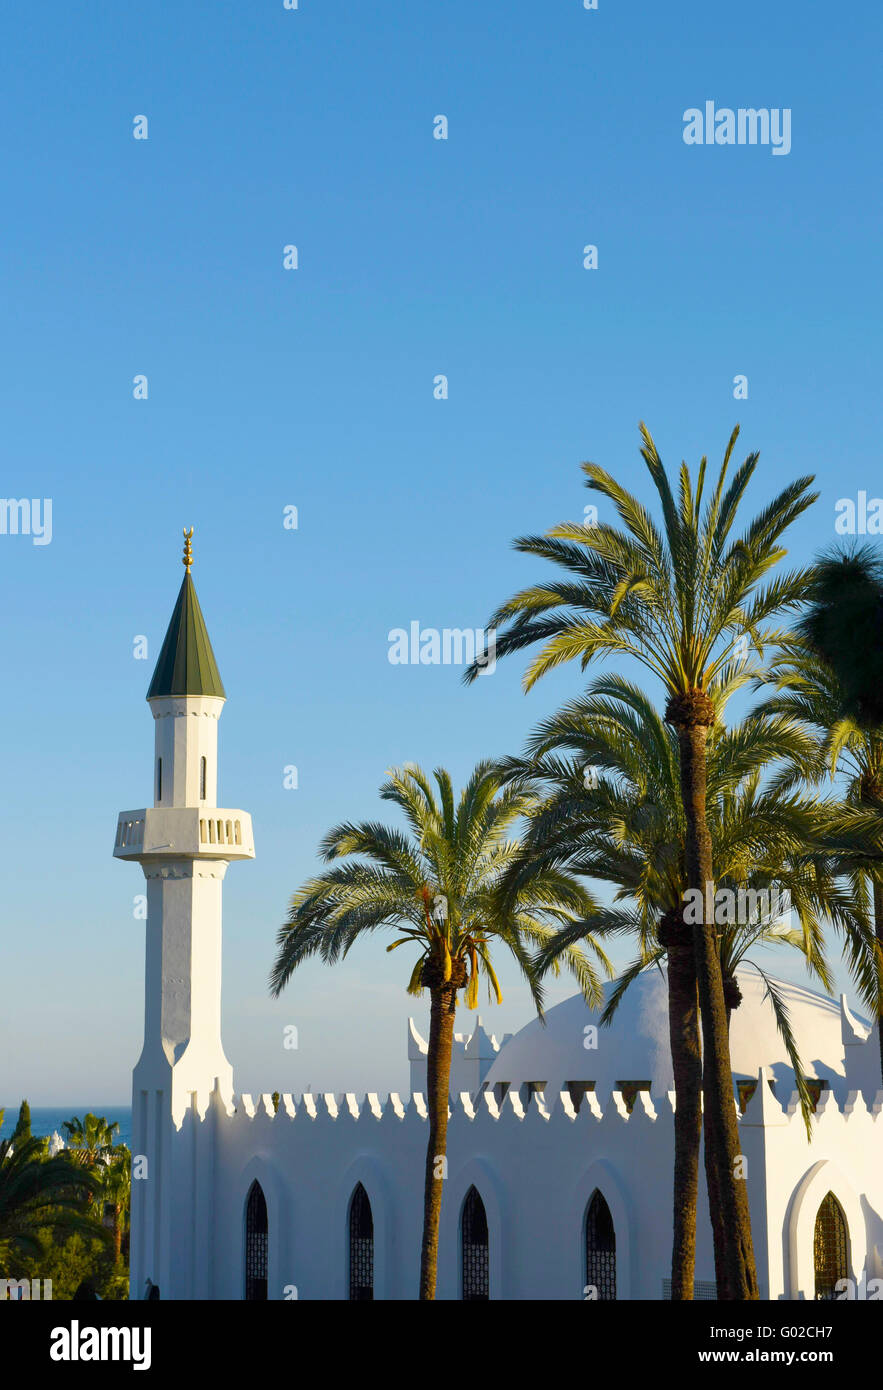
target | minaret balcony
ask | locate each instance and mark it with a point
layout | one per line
(186, 832)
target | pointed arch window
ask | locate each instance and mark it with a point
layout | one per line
(830, 1248)
(256, 1245)
(361, 1247)
(202, 779)
(600, 1248)
(159, 779)
(474, 1249)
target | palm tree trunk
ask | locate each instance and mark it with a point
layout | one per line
(877, 889)
(438, 1075)
(714, 1206)
(736, 1275)
(686, 1056)
(717, 1232)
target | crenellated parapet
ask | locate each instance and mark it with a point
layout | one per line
(763, 1110)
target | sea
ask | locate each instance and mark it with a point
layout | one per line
(46, 1119)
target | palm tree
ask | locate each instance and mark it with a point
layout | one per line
(843, 627)
(843, 624)
(808, 690)
(625, 826)
(90, 1140)
(35, 1193)
(116, 1189)
(677, 601)
(436, 888)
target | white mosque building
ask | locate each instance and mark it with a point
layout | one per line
(559, 1154)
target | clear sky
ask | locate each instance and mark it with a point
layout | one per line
(313, 388)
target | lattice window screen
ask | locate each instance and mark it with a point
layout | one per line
(474, 1239)
(256, 1245)
(361, 1247)
(830, 1248)
(600, 1249)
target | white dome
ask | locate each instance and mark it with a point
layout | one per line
(635, 1046)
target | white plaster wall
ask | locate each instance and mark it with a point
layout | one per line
(535, 1174)
(844, 1158)
(186, 730)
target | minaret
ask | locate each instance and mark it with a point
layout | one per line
(183, 843)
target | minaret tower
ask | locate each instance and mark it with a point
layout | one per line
(183, 843)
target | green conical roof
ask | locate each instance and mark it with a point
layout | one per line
(186, 664)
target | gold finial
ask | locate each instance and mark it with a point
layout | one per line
(188, 552)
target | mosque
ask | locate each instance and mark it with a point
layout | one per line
(559, 1154)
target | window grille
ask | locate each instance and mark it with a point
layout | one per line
(256, 1245)
(830, 1248)
(600, 1249)
(703, 1290)
(474, 1249)
(361, 1247)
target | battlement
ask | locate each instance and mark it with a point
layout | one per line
(763, 1110)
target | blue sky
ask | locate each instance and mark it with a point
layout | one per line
(314, 388)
